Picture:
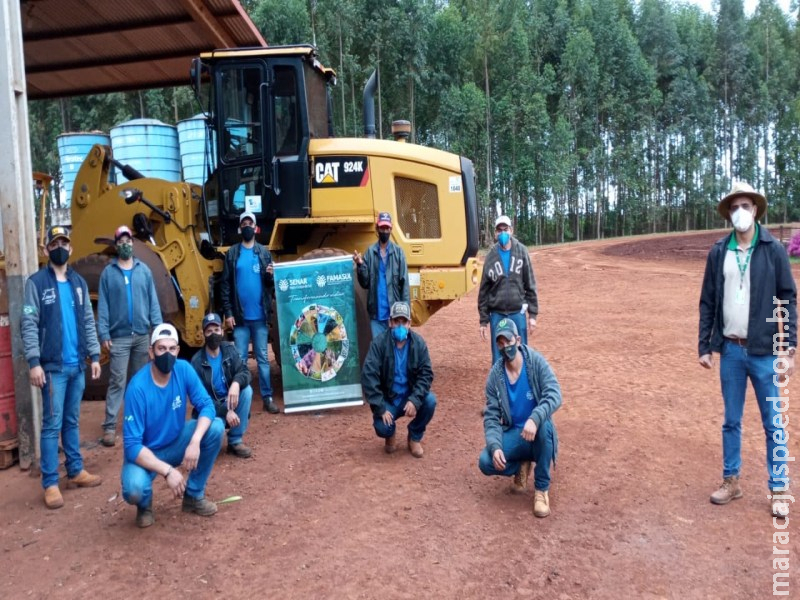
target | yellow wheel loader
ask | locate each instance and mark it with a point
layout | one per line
(271, 151)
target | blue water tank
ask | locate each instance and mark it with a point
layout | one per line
(149, 146)
(72, 150)
(198, 153)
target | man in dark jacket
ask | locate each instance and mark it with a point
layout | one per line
(383, 272)
(522, 393)
(127, 309)
(58, 333)
(246, 290)
(227, 380)
(508, 286)
(748, 313)
(396, 380)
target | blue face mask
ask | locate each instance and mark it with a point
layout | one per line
(400, 333)
(509, 352)
(503, 238)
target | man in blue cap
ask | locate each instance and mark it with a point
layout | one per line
(522, 393)
(227, 380)
(383, 272)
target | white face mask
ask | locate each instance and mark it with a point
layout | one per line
(742, 220)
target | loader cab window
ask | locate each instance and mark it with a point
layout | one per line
(287, 122)
(240, 114)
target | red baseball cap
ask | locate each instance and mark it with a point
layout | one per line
(121, 231)
(384, 220)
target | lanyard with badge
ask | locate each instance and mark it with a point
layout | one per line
(743, 269)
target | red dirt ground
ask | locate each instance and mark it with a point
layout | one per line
(326, 514)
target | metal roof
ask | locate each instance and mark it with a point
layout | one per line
(78, 47)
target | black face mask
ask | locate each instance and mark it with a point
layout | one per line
(248, 233)
(59, 256)
(165, 362)
(213, 340)
(383, 236)
(509, 352)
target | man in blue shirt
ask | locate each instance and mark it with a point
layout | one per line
(246, 290)
(157, 436)
(396, 380)
(522, 393)
(383, 272)
(227, 380)
(58, 333)
(127, 309)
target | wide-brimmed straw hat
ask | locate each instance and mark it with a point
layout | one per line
(740, 188)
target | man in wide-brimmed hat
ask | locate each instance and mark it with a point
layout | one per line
(748, 314)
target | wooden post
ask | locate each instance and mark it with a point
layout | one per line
(18, 217)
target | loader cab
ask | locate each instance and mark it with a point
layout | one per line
(264, 107)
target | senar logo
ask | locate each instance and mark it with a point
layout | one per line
(326, 172)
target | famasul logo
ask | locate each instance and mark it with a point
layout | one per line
(283, 285)
(321, 280)
(339, 278)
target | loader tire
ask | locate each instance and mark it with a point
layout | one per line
(90, 267)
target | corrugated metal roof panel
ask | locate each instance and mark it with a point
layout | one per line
(77, 47)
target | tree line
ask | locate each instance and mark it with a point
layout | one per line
(584, 118)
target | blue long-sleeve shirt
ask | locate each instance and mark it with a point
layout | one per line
(154, 416)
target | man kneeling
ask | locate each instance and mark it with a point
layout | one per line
(158, 437)
(227, 379)
(522, 393)
(396, 380)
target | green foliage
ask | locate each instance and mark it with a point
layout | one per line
(584, 118)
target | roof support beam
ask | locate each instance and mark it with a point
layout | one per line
(212, 26)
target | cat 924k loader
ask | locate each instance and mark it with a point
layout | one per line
(272, 151)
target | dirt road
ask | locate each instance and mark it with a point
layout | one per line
(326, 514)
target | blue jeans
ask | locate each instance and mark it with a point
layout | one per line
(520, 320)
(416, 429)
(255, 331)
(61, 414)
(243, 412)
(378, 327)
(542, 451)
(137, 482)
(128, 355)
(735, 366)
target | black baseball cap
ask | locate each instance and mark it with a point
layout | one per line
(57, 231)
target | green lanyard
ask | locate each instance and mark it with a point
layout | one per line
(732, 245)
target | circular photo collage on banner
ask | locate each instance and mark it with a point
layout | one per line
(319, 343)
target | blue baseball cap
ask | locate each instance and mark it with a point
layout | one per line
(211, 319)
(507, 329)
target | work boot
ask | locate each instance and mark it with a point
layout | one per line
(109, 438)
(541, 504)
(415, 448)
(521, 478)
(270, 406)
(84, 479)
(390, 444)
(729, 490)
(52, 497)
(145, 516)
(240, 450)
(780, 504)
(199, 506)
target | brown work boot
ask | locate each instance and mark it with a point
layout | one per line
(52, 497)
(780, 503)
(390, 444)
(109, 438)
(199, 506)
(240, 450)
(521, 478)
(541, 504)
(415, 448)
(84, 479)
(729, 490)
(145, 516)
